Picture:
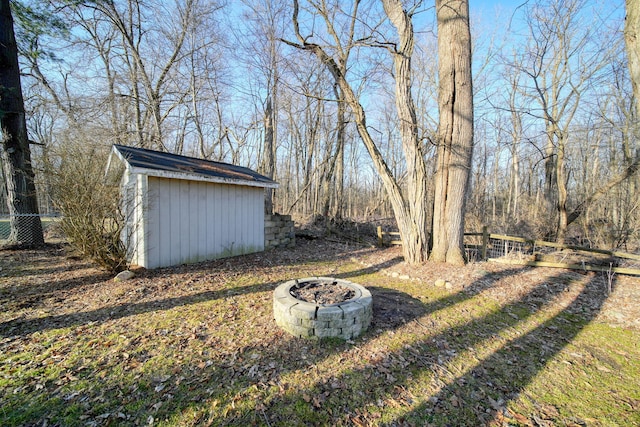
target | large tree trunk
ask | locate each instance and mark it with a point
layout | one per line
(455, 132)
(268, 160)
(26, 228)
(416, 228)
(631, 35)
(561, 182)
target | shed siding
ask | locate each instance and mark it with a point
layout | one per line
(140, 219)
(186, 217)
(211, 226)
(153, 217)
(191, 221)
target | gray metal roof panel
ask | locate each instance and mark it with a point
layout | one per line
(157, 160)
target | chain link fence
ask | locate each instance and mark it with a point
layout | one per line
(501, 247)
(49, 223)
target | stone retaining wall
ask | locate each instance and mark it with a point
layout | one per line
(278, 231)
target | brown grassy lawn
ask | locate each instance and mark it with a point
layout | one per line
(197, 345)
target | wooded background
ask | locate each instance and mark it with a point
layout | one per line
(555, 156)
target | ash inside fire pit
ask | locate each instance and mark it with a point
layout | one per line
(321, 292)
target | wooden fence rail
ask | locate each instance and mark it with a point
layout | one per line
(394, 237)
(533, 249)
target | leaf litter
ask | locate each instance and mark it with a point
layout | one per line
(196, 344)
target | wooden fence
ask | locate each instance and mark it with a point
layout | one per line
(537, 253)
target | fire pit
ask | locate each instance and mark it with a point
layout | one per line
(317, 307)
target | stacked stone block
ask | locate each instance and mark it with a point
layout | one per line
(303, 319)
(278, 231)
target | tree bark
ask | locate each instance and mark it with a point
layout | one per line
(26, 228)
(455, 131)
(561, 182)
(416, 227)
(338, 209)
(268, 159)
(631, 34)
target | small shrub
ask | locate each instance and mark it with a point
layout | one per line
(90, 203)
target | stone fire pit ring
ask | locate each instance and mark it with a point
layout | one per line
(346, 319)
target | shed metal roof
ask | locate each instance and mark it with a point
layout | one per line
(157, 163)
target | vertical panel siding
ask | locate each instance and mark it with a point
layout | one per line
(153, 235)
(257, 221)
(203, 219)
(193, 223)
(216, 219)
(186, 217)
(161, 202)
(209, 224)
(128, 236)
(224, 207)
(172, 223)
(189, 221)
(232, 221)
(245, 235)
(140, 218)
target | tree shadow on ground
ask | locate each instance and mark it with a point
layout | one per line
(481, 394)
(51, 262)
(371, 269)
(472, 397)
(232, 373)
(251, 381)
(34, 296)
(40, 265)
(251, 373)
(392, 308)
(29, 326)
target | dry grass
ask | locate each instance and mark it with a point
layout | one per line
(196, 345)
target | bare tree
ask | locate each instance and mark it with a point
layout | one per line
(268, 164)
(564, 60)
(140, 57)
(26, 228)
(416, 228)
(409, 210)
(261, 53)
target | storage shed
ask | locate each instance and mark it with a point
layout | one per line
(182, 209)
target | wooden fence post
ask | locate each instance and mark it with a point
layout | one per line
(485, 241)
(380, 242)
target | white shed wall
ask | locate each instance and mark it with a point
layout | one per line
(190, 221)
